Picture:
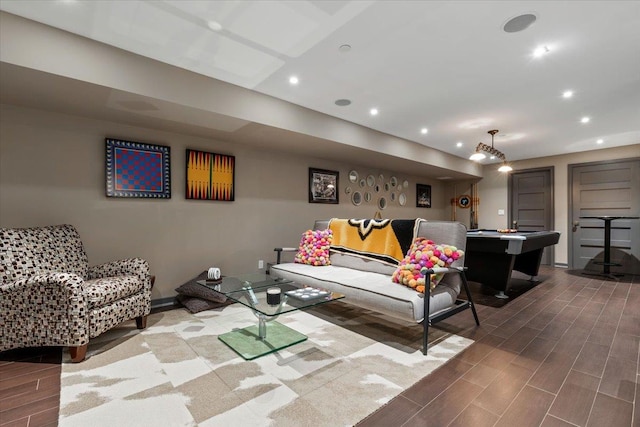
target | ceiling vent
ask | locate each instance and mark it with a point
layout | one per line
(519, 23)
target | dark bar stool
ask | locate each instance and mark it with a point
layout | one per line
(607, 264)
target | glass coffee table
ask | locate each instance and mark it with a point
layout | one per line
(267, 336)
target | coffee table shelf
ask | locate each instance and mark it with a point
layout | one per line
(267, 336)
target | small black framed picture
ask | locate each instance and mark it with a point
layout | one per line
(423, 196)
(323, 186)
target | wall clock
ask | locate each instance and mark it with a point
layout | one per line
(464, 201)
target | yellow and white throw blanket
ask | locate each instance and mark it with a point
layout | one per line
(384, 240)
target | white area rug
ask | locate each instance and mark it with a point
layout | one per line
(177, 372)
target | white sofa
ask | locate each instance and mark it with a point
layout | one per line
(368, 284)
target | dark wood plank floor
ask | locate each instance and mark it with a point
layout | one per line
(30, 387)
(561, 353)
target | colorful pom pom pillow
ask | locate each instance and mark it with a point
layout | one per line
(314, 247)
(422, 255)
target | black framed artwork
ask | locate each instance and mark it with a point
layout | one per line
(138, 170)
(323, 186)
(423, 196)
(210, 176)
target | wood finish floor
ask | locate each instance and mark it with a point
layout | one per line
(562, 353)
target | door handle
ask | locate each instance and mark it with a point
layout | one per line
(576, 224)
(515, 224)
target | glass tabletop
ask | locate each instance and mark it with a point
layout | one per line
(251, 290)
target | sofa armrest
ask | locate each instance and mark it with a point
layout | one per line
(124, 267)
(280, 250)
(44, 310)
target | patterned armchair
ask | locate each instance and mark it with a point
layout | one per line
(50, 296)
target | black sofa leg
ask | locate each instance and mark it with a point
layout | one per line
(425, 322)
(471, 304)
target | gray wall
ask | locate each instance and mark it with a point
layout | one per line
(52, 172)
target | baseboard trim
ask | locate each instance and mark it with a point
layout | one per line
(162, 302)
(561, 265)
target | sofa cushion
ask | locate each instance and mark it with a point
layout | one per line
(192, 289)
(314, 247)
(196, 305)
(373, 291)
(423, 255)
(106, 290)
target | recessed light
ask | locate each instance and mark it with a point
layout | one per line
(424, 131)
(214, 26)
(459, 144)
(567, 94)
(540, 51)
(344, 48)
(585, 120)
(343, 102)
(600, 141)
(373, 111)
(293, 80)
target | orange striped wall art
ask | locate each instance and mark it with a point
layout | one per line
(210, 176)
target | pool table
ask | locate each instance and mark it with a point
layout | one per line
(491, 256)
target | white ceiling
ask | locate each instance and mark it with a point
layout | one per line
(444, 65)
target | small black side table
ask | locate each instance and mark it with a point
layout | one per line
(606, 265)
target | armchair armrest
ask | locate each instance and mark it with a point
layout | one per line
(280, 250)
(124, 267)
(44, 310)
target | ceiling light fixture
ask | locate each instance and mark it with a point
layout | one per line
(585, 120)
(293, 80)
(600, 141)
(459, 144)
(479, 155)
(373, 111)
(214, 26)
(540, 51)
(567, 94)
(424, 131)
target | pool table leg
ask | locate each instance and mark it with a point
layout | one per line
(490, 269)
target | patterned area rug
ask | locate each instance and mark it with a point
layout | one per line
(177, 372)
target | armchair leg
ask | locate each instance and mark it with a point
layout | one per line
(78, 353)
(141, 322)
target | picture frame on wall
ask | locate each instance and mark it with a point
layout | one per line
(137, 170)
(323, 186)
(423, 196)
(210, 176)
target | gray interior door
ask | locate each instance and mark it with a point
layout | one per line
(605, 188)
(531, 203)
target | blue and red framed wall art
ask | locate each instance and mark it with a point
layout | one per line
(210, 176)
(138, 170)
